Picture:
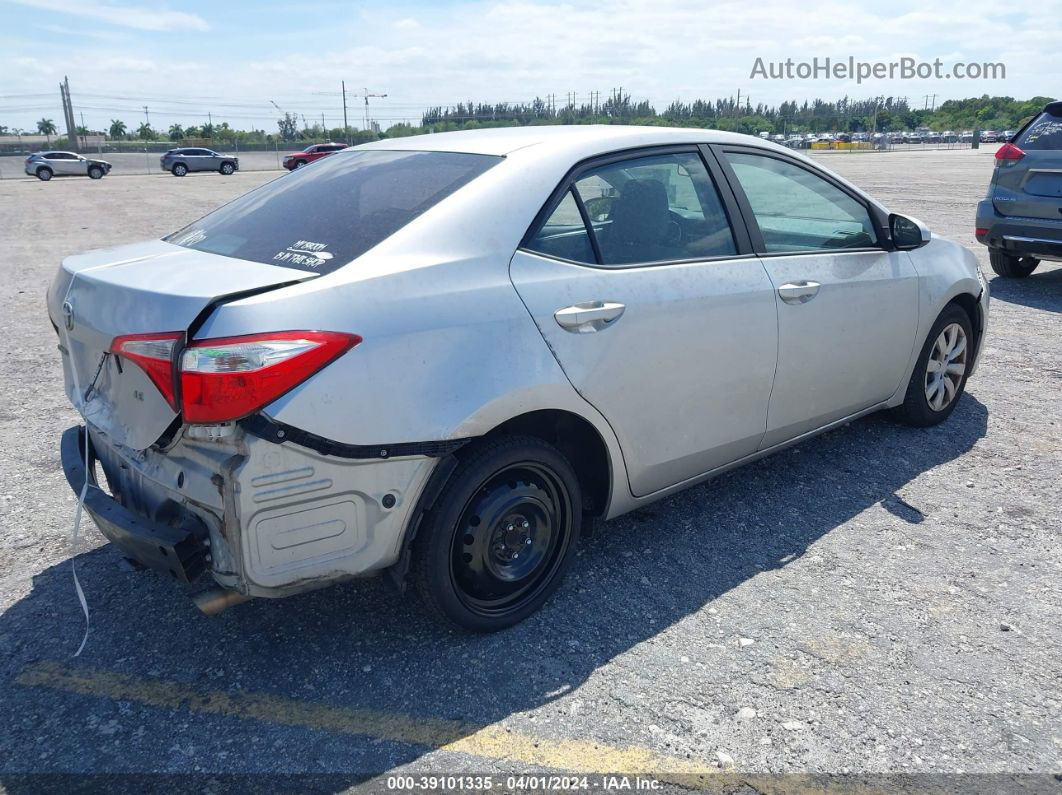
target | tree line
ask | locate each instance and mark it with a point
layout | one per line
(814, 116)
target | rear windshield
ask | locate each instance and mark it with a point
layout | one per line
(323, 216)
(1044, 133)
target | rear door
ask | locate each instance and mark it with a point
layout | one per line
(847, 308)
(1032, 186)
(62, 162)
(659, 315)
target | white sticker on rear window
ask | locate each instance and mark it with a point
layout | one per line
(190, 239)
(307, 253)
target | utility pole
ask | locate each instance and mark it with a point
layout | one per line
(68, 113)
(346, 126)
(934, 98)
(147, 118)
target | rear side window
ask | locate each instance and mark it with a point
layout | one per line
(656, 208)
(1044, 133)
(321, 218)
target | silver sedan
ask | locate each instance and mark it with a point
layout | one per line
(442, 357)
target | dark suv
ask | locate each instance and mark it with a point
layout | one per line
(1020, 220)
(191, 158)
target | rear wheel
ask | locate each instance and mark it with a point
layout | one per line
(501, 537)
(179, 169)
(95, 172)
(44, 173)
(1010, 266)
(227, 168)
(939, 376)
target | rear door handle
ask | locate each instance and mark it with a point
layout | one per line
(588, 316)
(798, 292)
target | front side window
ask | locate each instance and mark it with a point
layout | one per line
(797, 210)
(656, 208)
(319, 219)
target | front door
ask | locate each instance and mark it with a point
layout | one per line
(847, 309)
(656, 315)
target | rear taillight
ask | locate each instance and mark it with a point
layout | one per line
(153, 353)
(1009, 152)
(980, 232)
(226, 379)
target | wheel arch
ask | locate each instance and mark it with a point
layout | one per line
(575, 436)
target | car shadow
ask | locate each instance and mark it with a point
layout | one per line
(361, 647)
(1041, 290)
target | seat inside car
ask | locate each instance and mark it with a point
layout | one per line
(639, 222)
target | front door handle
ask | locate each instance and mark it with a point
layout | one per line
(588, 316)
(798, 292)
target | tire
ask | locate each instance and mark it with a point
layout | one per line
(299, 164)
(44, 173)
(95, 172)
(508, 496)
(227, 169)
(1010, 266)
(179, 169)
(935, 387)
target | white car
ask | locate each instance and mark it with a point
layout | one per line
(442, 356)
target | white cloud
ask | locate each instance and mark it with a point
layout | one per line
(123, 16)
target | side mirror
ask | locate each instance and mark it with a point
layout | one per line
(908, 233)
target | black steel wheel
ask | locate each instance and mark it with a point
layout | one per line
(501, 537)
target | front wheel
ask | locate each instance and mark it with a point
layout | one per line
(939, 376)
(95, 172)
(501, 537)
(300, 163)
(1010, 266)
(227, 169)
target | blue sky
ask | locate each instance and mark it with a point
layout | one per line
(229, 59)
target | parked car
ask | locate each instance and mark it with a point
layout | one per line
(896, 138)
(508, 334)
(1019, 217)
(45, 165)
(796, 142)
(184, 160)
(989, 136)
(932, 137)
(912, 138)
(966, 137)
(310, 153)
(1007, 135)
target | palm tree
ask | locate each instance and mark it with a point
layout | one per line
(47, 128)
(117, 129)
(145, 131)
(176, 132)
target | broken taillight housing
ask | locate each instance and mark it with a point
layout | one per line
(226, 379)
(229, 378)
(153, 353)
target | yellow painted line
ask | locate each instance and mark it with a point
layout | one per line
(489, 742)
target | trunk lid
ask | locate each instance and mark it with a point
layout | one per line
(138, 289)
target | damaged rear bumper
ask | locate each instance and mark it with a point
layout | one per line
(180, 550)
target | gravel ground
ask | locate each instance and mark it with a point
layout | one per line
(880, 599)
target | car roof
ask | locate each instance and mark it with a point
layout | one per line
(580, 140)
(55, 152)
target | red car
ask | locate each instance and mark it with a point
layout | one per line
(309, 154)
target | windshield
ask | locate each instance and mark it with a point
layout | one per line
(320, 218)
